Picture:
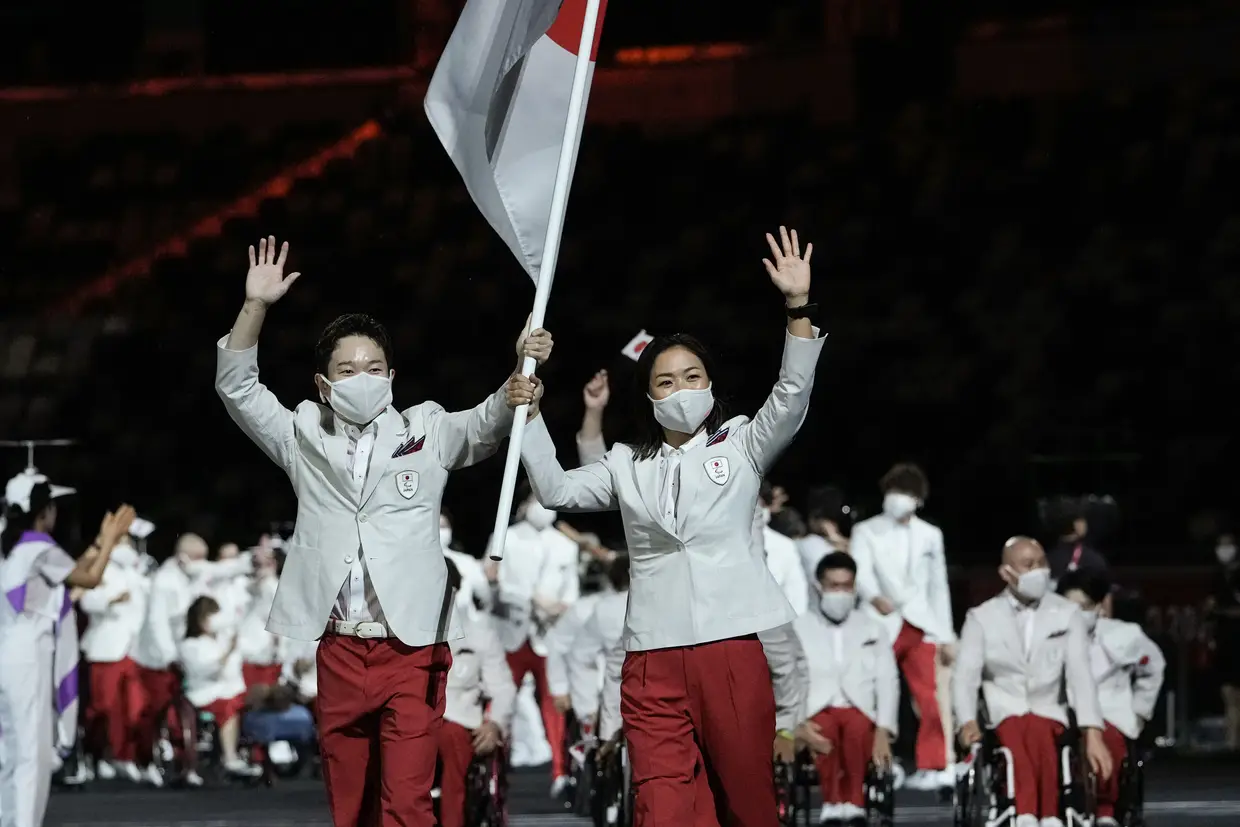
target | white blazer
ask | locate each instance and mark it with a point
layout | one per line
(538, 566)
(479, 671)
(812, 549)
(393, 518)
(474, 596)
(573, 656)
(854, 661)
(1128, 668)
(784, 561)
(257, 645)
(209, 676)
(233, 595)
(112, 628)
(172, 592)
(296, 653)
(992, 658)
(606, 627)
(906, 565)
(704, 579)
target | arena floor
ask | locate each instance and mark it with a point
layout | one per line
(1200, 793)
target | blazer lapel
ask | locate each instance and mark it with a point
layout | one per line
(387, 440)
(1009, 625)
(689, 489)
(336, 450)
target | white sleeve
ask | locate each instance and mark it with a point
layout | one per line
(251, 405)
(887, 686)
(582, 489)
(1147, 678)
(967, 673)
(779, 419)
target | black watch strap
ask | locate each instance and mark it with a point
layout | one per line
(805, 311)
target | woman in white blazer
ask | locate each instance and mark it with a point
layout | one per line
(696, 686)
(1128, 668)
(213, 679)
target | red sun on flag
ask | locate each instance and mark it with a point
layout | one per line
(634, 348)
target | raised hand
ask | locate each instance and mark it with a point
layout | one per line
(788, 269)
(115, 525)
(266, 282)
(536, 344)
(597, 392)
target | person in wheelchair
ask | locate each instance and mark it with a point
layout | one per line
(1128, 668)
(1018, 650)
(479, 671)
(854, 691)
(213, 679)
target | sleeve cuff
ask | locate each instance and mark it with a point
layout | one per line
(537, 438)
(222, 347)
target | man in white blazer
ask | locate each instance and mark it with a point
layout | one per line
(854, 689)
(479, 674)
(364, 569)
(1128, 668)
(537, 582)
(116, 610)
(902, 580)
(1022, 652)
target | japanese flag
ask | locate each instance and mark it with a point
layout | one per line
(634, 348)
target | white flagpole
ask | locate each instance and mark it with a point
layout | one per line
(546, 273)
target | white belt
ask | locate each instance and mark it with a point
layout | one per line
(362, 629)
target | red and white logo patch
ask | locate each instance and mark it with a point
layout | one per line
(717, 469)
(407, 483)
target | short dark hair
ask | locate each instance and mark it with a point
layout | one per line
(17, 522)
(196, 617)
(788, 522)
(618, 572)
(1095, 584)
(350, 324)
(835, 560)
(650, 437)
(908, 478)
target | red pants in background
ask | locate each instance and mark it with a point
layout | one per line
(163, 689)
(456, 753)
(380, 711)
(1034, 744)
(1108, 790)
(526, 661)
(700, 724)
(224, 710)
(114, 717)
(918, 659)
(257, 674)
(841, 772)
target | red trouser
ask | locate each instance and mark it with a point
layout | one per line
(841, 772)
(113, 719)
(918, 660)
(526, 661)
(260, 675)
(1108, 790)
(380, 709)
(700, 723)
(1034, 744)
(456, 753)
(163, 689)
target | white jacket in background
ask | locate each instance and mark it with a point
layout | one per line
(538, 566)
(784, 561)
(850, 664)
(209, 675)
(474, 596)
(572, 661)
(812, 549)
(112, 629)
(1128, 668)
(305, 684)
(906, 565)
(256, 644)
(479, 670)
(172, 592)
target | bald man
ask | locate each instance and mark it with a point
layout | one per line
(181, 579)
(1017, 650)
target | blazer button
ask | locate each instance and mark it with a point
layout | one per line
(348, 558)
(363, 518)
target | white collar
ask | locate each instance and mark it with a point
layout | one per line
(355, 432)
(697, 439)
(1018, 604)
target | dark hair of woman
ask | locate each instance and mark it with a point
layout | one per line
(650, 432)
(18, 522)
(196, 617)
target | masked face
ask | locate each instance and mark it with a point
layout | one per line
(1226, 553)
(125, 556)
(836, 605)
(685, 410)
(360, 398)
(539, 517)
(194, 568)
(897, 505)
(212, 625)
(1032, 585)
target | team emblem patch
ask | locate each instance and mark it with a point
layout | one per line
(407, 484)
(717, 469)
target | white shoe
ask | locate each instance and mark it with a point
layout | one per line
(558, 785)
(830, 812)
(946, 778)
(1107, 821)
(242, 769)
(153, 776)
(128, 770)
(849, 812)
(193, 779)
(923, 780)
(1051, 822)
(104, 771)
(1027, 821)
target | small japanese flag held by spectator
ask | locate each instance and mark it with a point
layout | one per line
(634, 349)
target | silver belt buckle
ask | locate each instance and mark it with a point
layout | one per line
(370, 629)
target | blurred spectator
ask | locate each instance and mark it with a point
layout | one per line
(1224, 607)
(1072, 552)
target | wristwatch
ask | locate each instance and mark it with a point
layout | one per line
(805, 311)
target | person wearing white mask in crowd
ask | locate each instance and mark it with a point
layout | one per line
(854, 690)
(230, 585)
(38, 639)
(473, 598)
(211, 660)
(116, 611)
(479, 671)
(536, 583)
(1020, 651)
(261, 663)
(1128, 668)
(173, 588)
(902, 580)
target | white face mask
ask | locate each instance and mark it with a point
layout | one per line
(212, 625)
(1032, 585)
(897, 505)
(539, 517)
(1226, 553)
(445, 536)
(125, 556)
(195, 568)
(837, 605)
(766, 515)
(685, 410)
(1091, 619)
(361, 398)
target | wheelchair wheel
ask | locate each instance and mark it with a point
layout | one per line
(1077, 787)
(1130, 809)
(785, 791)
(486, 791)
(879, 797)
